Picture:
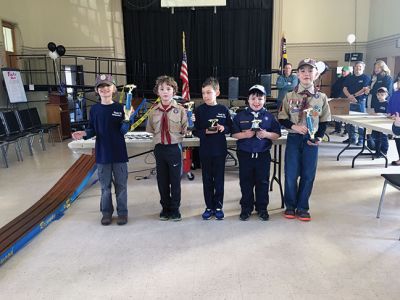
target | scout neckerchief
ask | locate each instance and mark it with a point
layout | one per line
(164, 124)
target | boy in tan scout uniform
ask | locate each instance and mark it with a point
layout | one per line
(305, 113)
(168, 124)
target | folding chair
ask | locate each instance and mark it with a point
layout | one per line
(26, 125)
(6, 141)
(394, 181)
(47, 128)
(13, 129)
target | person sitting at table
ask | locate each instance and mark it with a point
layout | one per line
(380, 139)
(393, 109)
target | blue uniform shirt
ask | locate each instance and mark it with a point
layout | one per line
(242, 121)
(381, 107)
(355, 83)
(212, 145)
(106, 123)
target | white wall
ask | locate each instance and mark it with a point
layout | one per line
(84, 27)
(321, 28)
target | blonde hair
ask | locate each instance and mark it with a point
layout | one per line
(383, 66)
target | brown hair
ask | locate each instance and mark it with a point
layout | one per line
(167, 80)
(211, 81)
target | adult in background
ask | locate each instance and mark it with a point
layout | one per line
(285, 83)
(337, 92)
(354, 89)
(393, 109)
(380, 78)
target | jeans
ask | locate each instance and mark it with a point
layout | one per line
(381, 142)
(300, 162)
(359, 107)
(118, 174)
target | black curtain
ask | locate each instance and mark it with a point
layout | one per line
(236, 41)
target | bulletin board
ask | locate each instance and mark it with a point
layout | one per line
(14, 85)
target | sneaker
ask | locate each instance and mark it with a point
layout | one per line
(122, 220)
(244, 216)
(263, 215)
(289, 214)
(106, 220)
(346, 141)
(219, 214)
(207, 214)
(176, 216)
(164, 215)
(303, 215)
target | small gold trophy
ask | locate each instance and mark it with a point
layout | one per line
(256, 125)
(310, 124)
(213, 125)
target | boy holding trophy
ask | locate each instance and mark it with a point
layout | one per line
(305, 113)
(254, 128)
(212, 122)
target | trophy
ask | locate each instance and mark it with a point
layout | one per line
(310, 124)
(255, 126)
(213, 125)
(189, 111)
(232, 111)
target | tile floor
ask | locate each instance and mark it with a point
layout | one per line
(344, 253)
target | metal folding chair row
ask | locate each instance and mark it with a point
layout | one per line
(19, 125)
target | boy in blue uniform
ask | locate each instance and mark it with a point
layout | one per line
(381, 142)
(213, 147)
(305, 105)
(254, 128)
(109, 122)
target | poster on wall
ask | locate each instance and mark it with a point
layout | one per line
(14, 85)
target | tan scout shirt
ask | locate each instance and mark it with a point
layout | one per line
(294, 104)
(177, 118)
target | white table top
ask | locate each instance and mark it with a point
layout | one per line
(144, 140)
(378, 122)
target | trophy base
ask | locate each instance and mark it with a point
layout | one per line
(255, 129)
(314, 140)
(212, 129)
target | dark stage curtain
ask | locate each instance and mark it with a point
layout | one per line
(236, 41)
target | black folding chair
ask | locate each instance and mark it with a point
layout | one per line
(6, 141)
(26, 125)
(394, 181)
(47, 128)
(13, 129)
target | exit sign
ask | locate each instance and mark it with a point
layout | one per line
(353, 56)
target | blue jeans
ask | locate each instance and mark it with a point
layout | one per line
(359, 107)
(300, 161)
(117, 173)
(381, 142)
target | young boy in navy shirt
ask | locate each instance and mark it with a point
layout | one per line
(380, 139)
(109, 122)
(255, 128)
(213, 147)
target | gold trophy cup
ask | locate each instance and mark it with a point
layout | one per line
(213, 125)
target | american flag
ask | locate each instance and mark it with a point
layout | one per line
(284, 56)
(184, 75)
